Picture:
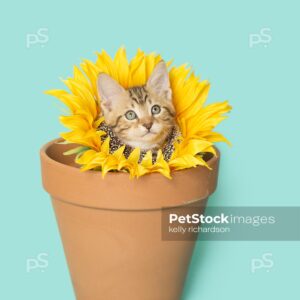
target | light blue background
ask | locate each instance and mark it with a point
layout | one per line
(262, 167)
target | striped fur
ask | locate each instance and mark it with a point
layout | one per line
(148, 129)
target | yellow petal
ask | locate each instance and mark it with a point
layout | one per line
(122, 67)
(134, 155)
(147, 160)
(105, 146)
(195, 120)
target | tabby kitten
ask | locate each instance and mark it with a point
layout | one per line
(142, 116)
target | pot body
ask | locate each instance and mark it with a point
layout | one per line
(111, 228)
(116, 255)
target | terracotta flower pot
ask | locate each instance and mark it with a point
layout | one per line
(111, 228)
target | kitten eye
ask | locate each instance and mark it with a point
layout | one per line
(130, 115)
(155, 109)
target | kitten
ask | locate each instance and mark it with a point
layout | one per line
(142, 116)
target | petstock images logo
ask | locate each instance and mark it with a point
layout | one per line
(231, 223)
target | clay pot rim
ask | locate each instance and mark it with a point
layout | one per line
(65, 182)
(46, 157)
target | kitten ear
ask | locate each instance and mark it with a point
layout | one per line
(109, 91)
(159, 81)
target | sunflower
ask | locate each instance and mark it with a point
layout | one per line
(195, 119)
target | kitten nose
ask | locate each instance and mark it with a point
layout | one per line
(148, 125)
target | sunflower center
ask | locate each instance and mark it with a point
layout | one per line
(115, 143)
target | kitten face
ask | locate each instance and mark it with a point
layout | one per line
(141, 116)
